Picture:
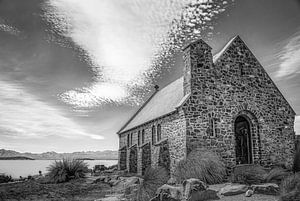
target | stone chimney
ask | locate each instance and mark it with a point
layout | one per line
(198, 67)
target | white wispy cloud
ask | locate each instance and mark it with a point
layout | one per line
(23, 115)
(125, 40)
(297, 125)
(9, 28)
(290, 57)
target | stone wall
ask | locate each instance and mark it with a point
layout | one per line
(164, 155)
(146, 157)
(236, 84)
(123, 158)
(172, 128)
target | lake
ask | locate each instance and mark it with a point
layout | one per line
(17, 168)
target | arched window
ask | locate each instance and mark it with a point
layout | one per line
(131, 139)
(139, 138)
(128, 140)
(212, 125)
(158, 132)
(143, 136)
(153, 135)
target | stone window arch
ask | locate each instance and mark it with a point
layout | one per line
(158, 132)
(153, 131)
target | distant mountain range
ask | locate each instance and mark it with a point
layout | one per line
(97, 155)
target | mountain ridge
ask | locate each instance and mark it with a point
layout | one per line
(51, 155)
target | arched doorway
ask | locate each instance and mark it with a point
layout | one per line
(243, 143)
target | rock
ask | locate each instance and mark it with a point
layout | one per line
(208, 194)
(249, 193)
(266, 189)
(171, 181)
(168, 192)
(193, 185)
(233, 189)
(131, 188)
(132, 180)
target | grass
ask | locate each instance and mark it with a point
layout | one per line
(296, 165)
(152, 180)
(67, 169)
(5, 178)
(290, 188)
(203, 165)
(276, 175)
(75, 190)
(249, 174)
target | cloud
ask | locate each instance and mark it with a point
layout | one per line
(290, 57)
(8, 28)
(24, 116)
(297, 125)
(126, 41)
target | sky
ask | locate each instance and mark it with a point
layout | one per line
(72, 72)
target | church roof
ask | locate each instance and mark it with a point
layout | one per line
(156, 105)
(162, 102)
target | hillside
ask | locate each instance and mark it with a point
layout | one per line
(100, 155)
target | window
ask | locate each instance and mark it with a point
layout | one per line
(153, 135)
(128, 140)
(212, 127)
(158, 132)
(242, 70)
(143, 136)
(139, 138)
(131, 138)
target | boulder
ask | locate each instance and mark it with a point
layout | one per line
(168, 192)
(193, 185)
(233, 189)
(249, 193)
(266, 189)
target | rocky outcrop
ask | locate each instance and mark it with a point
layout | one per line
(233, 189)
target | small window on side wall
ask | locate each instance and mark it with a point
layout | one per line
(128, 140)
(139, 138)
(153, 135)
(143, 136)
(212, 127)
(131, 139)
(158, 132)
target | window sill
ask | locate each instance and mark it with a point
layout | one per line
(160, 142)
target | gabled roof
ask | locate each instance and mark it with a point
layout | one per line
(169, 98)
(163, 102)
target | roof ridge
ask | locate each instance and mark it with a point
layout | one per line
(224, 49)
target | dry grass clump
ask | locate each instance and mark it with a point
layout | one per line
(67, 169)
(201, 164)
(276, 175)
(249, 174)
(5, 178)
(290, 188)
(152, 180)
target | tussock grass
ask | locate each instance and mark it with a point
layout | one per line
(67, 169)
(201, 164)
(290, 188)
(152, 180)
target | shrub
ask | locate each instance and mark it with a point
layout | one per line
(248, 174)
(5, 178)
(203, 165)
(152, 180)
(290, 188)
(276, 175)
(67, 169)
(296, 165)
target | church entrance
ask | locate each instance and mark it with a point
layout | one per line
(243, 145)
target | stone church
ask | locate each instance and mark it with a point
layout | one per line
(226, 103)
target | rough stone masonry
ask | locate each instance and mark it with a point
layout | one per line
(225, 103)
